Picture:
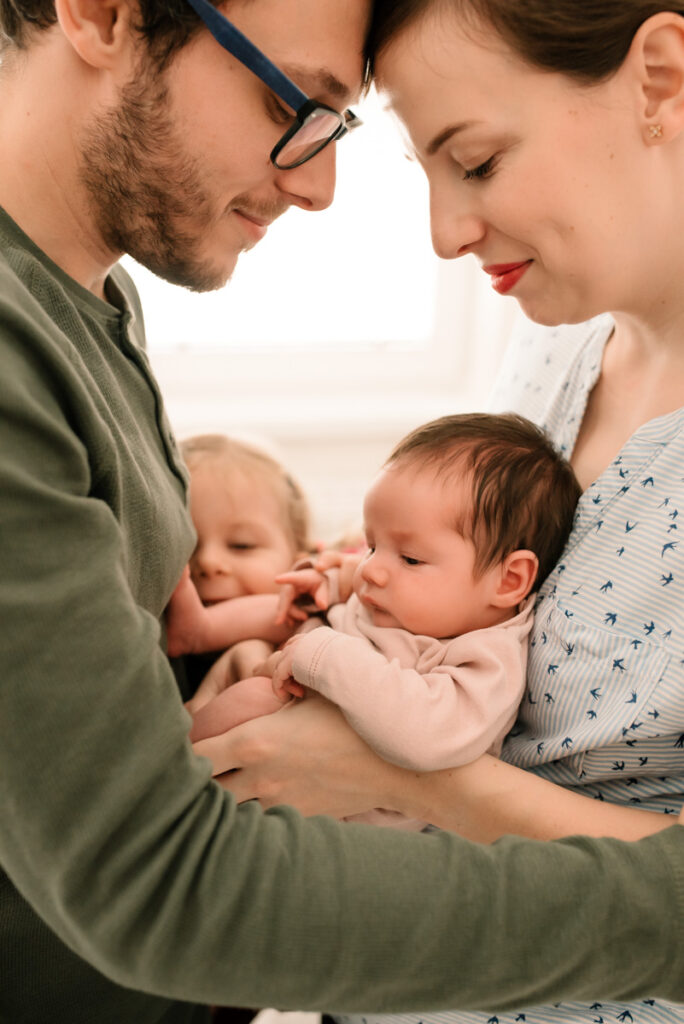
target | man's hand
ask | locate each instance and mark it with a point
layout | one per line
(305, 755)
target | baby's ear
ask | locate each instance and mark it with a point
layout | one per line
(516, 577)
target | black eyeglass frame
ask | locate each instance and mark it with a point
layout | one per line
(305, 109)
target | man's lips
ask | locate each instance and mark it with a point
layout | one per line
(506, 275)
(257, 226)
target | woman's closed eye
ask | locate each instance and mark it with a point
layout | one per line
(483, 170)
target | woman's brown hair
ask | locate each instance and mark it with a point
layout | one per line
(584, 39)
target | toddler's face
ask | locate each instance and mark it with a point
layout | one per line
(419, 572)
(242, 542)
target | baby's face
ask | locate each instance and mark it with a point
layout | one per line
(419, 572)
(242, 541)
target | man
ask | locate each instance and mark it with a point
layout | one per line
(133, 890)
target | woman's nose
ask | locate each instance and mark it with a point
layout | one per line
(455, 225)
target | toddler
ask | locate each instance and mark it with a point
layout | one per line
(427, 657)
(252, 523)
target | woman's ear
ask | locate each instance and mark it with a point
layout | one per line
(516, 577)
(96, 29)
(656, 57)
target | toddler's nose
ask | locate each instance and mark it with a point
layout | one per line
(209, 560)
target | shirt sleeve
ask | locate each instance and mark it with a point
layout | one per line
(439, 719)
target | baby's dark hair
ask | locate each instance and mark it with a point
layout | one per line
(524, 492)
(238, 456)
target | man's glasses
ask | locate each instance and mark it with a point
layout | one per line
(315, 124)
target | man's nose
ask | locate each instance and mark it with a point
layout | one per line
(311, 186)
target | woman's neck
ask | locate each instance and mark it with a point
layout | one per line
(642, 377)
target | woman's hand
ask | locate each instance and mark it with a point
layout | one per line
(305, 755)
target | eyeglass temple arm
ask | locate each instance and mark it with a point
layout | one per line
(232, 39)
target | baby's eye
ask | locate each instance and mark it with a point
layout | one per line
(411, 561)
(241, 546)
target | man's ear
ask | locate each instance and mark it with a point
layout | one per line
(96, 29)
(656, 59)
(515, 578)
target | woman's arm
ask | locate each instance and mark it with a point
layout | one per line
(310, 757)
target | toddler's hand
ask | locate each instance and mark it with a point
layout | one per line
(184, 618)
(280, 666)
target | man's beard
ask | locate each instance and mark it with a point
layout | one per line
(146, 191)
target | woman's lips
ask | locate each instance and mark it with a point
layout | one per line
(506, 275)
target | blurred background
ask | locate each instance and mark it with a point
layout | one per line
(337, 334)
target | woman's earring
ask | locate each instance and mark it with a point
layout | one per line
(655, 131)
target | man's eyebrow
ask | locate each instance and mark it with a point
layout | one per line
(318, 80)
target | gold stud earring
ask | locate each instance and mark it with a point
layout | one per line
(655, 131)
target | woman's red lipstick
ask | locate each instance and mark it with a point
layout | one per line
(506, 275)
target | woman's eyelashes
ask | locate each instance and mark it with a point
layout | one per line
(483, 170)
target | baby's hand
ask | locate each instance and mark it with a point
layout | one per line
(295, 585)
(280, 666)
(346, 563)
(184, 618)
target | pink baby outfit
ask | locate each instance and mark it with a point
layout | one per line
(420, 703)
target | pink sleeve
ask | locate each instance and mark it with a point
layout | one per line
(441, 719)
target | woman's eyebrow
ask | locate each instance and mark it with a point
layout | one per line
(445, 135)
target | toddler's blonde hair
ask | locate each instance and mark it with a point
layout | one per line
(246, 458)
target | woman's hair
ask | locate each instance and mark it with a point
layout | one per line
(523, 492)
(237, 456)
(584, 39)
(165, 25)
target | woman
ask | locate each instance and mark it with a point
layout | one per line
(552, 135)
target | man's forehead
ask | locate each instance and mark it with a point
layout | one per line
(319, 44)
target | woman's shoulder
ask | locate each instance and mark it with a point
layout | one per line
(537, 355)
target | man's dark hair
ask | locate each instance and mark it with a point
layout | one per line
(165, 25)
(523, 491)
